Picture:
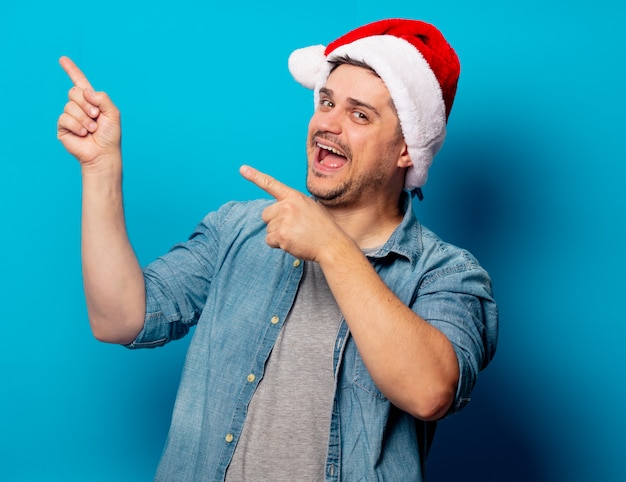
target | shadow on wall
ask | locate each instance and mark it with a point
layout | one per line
(477, 192)
(479, 202)
(485, 443)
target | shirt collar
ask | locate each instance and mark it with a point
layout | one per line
(405, 240)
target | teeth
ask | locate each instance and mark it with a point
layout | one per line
(331, 149)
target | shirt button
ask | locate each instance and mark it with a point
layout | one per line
(274, 319)
(251, 378)
(296, 263)
(229, 437)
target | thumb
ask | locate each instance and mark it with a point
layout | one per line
(102, 101)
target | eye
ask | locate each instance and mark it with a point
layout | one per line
(360, 116)
(327, 104)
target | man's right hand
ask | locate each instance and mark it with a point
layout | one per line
(89, 127)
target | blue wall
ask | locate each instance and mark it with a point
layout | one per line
(530, 180)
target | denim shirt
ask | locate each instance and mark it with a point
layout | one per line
(238, 292)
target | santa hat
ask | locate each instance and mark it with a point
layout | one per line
(419, 68)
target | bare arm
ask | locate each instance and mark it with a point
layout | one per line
(89, 128)
(410, 361)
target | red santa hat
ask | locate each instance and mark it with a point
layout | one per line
(419, 68)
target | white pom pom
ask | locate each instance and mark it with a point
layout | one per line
(305, 64)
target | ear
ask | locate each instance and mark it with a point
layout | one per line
(404, 160)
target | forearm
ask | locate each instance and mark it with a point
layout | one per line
(113, 280)
(411, 362)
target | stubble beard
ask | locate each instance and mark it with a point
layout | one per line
(350, 191)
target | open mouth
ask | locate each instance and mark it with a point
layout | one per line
(330, 157)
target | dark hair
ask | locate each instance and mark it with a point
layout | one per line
(346, 59)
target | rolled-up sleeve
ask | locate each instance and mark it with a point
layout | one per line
(177, 285)
(458, 301)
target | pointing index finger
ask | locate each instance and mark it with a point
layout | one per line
(75, 74)
(275, 188)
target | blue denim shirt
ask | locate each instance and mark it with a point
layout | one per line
(238, 291)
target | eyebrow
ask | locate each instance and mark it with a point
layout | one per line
(351, 101)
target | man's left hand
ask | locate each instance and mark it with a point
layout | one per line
(295, 223)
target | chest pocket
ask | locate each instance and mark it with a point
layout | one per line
(393, 275)
(357, 373)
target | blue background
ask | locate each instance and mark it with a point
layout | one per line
(531, 180)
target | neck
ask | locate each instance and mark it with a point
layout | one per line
(370, 225)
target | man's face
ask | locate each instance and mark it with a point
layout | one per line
(355, 149)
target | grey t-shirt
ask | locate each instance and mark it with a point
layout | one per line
(285, 435)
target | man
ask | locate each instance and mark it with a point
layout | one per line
(332, 330)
